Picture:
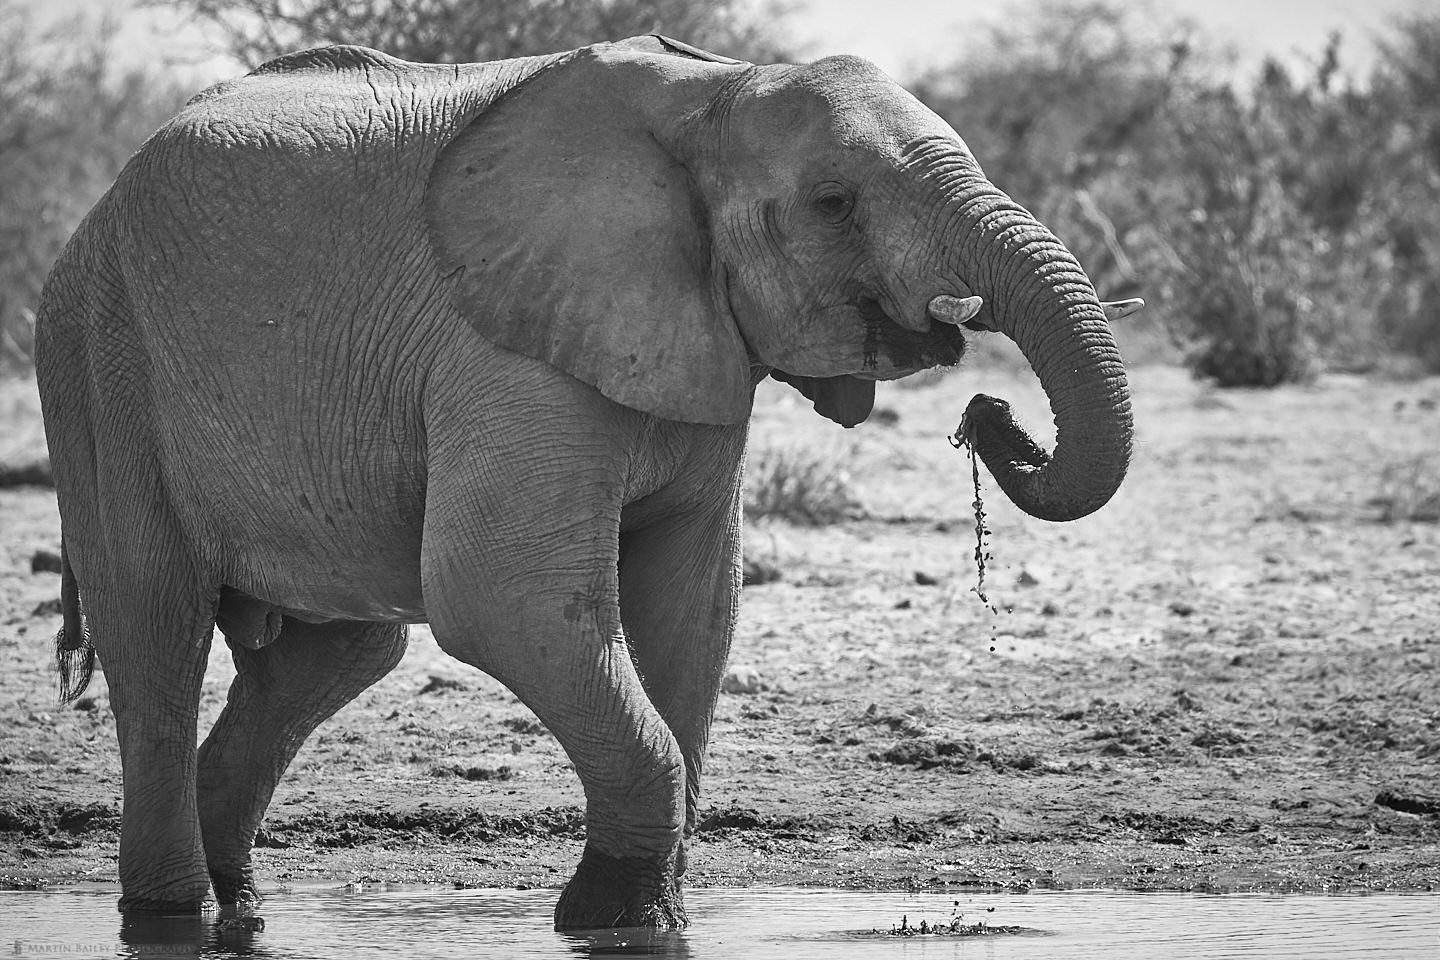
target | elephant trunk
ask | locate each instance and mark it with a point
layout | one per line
(1041, 298)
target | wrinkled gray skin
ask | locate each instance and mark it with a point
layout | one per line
(354, 343)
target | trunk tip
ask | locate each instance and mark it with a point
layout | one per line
(1022, 468)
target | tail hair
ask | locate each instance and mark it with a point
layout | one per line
(74, 653)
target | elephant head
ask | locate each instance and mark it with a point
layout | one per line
(669, 227)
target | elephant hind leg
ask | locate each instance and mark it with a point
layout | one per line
(280, 694)
(148, 601)
(151, 626)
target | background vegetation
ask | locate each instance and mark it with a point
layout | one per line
(1277, 226)
(69, 118)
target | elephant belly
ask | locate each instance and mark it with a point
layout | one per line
(319, 547)
(370, 573)
(378, 601)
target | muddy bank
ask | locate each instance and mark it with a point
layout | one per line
(1226, 680)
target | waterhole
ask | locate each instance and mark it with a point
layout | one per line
(361, 921)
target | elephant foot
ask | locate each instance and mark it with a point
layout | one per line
(234, 887)
(611, 891)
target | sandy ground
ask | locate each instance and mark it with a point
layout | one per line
(1228, 679)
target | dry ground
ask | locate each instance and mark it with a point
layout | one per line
(1229, 678)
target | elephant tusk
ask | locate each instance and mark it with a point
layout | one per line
(1120, 309)
(955, 310)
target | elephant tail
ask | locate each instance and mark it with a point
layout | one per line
(74, 653)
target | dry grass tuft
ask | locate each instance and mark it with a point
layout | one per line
(1410, 490)
(801, 487)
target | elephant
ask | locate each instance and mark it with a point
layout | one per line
(354, 343)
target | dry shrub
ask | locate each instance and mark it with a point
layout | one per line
(1410, 490)
(799, 486)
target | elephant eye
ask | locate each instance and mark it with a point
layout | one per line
(834, 202)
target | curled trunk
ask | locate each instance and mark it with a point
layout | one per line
(1044, 302)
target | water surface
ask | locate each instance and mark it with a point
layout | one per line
(345, 922)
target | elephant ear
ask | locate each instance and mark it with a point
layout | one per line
(572, 235)
(846, 400)
(659, 43)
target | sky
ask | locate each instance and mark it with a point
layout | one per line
(905, 36)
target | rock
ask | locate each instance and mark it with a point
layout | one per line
(523, 724)
(45, 561)
(1409, 801)
(36, 474)
(437, 684)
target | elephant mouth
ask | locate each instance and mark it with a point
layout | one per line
(906, 350)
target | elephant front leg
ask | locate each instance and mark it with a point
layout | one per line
(556, 643)
(679, 598)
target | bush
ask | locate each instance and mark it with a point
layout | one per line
(1060, 109)
(1404, 104)
(1244, 280)
(1276, 227)
(68, 121)
(457, 31)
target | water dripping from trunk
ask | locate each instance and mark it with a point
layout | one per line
(982, 532)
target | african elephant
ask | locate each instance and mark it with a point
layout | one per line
(354, 343)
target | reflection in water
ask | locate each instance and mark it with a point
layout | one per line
(224, 932)
(430, 923)
(166, 936)
(627, 942)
